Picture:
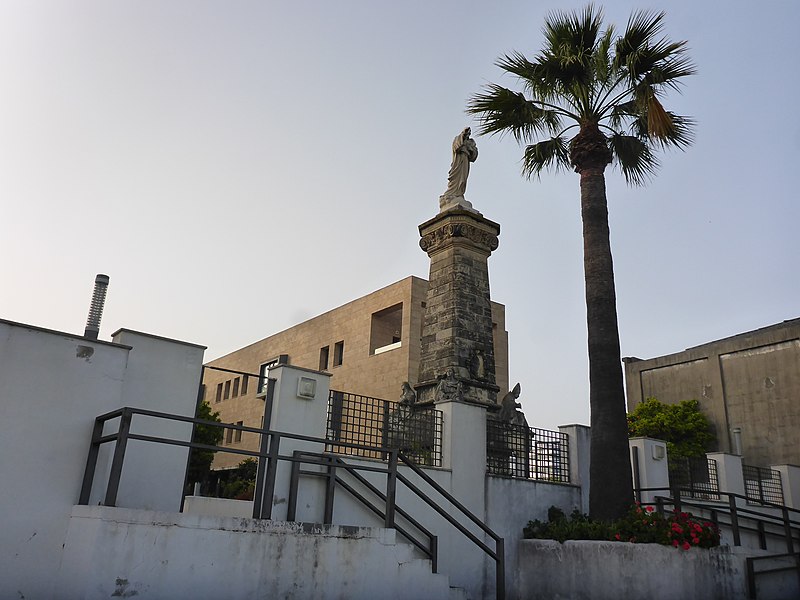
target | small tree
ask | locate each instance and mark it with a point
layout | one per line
(200, 461)
(685, 429)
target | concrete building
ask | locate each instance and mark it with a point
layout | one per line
(748, 386)
(370, 346)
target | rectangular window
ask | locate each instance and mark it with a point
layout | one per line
(237, 436)
(236, 387)
(219, 392)
(227, 390)
(244, 385)
(338, 354)
(228, 436)
(385, 331)
(323, 357)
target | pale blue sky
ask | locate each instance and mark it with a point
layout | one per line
(214, 158)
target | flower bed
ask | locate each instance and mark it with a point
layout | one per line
(641, 526)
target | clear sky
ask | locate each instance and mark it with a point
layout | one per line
(237, 167)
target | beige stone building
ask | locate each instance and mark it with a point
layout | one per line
(370, 346)
(748, 386)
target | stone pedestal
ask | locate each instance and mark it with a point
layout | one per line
(457, 352)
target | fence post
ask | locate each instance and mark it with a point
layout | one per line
(787, 528)
(119, 457)
(330, 490)
(91, 462)
(737, 541)
(391, 488)
(272, 470)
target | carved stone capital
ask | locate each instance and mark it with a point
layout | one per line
(451, 231)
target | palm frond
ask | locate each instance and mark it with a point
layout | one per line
(634, 157)
(501, 110)
(548, 154)
(643, 27)
(602, 57)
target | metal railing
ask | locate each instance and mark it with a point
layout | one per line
(731, 512)
(371, 421)
(696, 476)
(269, 457)
(762, 485)
(526, 452)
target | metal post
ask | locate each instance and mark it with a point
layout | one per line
(637, 482)
(762, 535)
(272, 470)
(751, 578)
(787, 528)
(500, 568)
(434, 553)
(391, 488)
(91, 462)
(294, 482)
(737, 541)
(258, 494)
(676, 498)
(330, 489)
(119, 456)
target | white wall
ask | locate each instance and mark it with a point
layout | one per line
(121, 552)
(52, 386)
(614, 570)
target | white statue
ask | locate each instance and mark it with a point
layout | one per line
(465, 151)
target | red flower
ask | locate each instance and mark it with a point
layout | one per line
(616, 537)
(650, 509)
(675, 543)
(686, 546)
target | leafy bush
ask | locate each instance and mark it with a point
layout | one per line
(685, 429)
(678, 529)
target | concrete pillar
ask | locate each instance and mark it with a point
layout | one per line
(729, 472)
(464, 451)
(649, 462)
(299, 405)
(790, 480)
(579, 441)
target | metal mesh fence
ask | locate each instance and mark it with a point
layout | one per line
(762, 484)
(696, 476)
(526, 452)
(357, 419)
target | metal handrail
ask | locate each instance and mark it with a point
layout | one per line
(752, 573)
(265, 478)
(735, 512)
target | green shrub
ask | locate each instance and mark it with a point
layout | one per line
(643, 526)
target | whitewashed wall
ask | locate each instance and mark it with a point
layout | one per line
(52, 386)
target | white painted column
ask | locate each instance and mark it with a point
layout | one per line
(464, 451)
(580, 437)
(650, 457)
(729, 472)
(300, 406)
(790, 480)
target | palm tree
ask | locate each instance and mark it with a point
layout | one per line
(593, 99)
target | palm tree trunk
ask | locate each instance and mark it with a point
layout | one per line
(611, 490)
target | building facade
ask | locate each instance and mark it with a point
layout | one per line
(748, 386)
(370, 346)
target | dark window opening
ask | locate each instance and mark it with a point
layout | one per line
(236, 387)
(385, 331)
(338, 354)
(323, 357)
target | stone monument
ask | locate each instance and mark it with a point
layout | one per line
(457, 351)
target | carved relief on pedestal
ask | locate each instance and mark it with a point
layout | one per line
(437, 238)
